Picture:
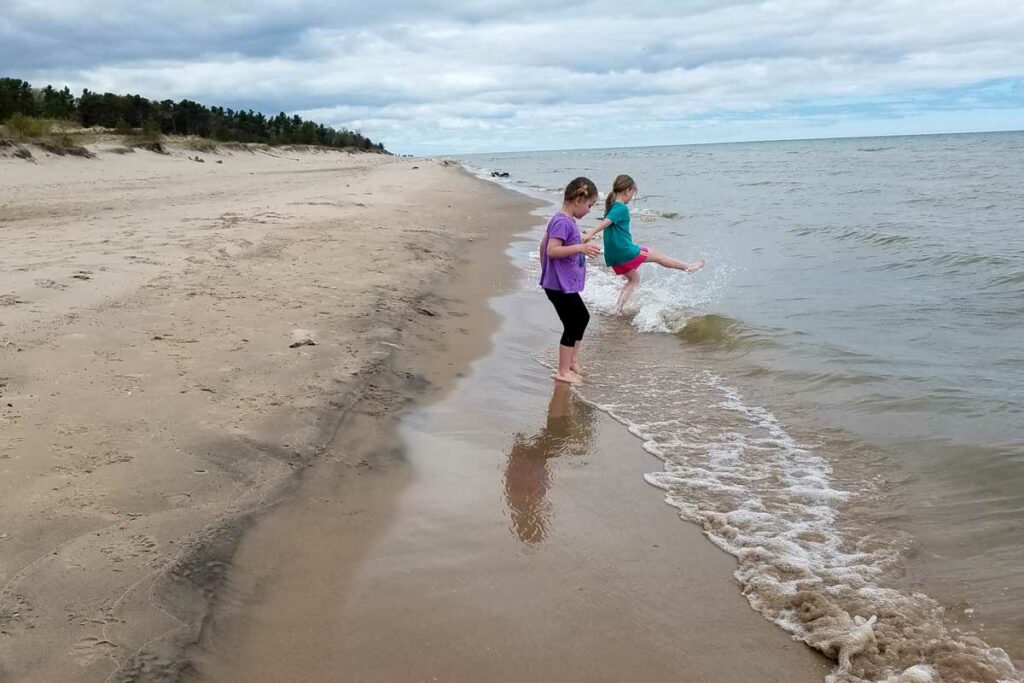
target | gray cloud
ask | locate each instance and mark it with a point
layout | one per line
(522, 73)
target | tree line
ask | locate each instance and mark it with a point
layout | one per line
(127, 112)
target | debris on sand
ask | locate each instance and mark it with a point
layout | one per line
(302, 338)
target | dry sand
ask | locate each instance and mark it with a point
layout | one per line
(189, 491)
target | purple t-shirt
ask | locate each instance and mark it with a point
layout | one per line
(564, 274)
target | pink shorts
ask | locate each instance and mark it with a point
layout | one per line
(631, 264)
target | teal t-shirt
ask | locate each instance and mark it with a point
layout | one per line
(618, 242)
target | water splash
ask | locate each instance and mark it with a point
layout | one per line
(666, 299)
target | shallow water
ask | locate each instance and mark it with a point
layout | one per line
(839, 397)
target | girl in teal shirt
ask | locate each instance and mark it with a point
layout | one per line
(620, 252)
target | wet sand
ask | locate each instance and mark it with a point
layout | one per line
(515, 539)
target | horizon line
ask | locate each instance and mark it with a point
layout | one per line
(735, 142)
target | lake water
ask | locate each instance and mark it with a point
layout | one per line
(838, 397)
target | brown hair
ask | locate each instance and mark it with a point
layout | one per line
(580, 188)
(621, 184)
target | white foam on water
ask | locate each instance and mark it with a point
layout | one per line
(769, 500)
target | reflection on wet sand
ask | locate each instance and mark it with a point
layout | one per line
(568, 431)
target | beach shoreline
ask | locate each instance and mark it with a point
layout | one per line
(181, 343)
(800, 383)
(439, 567)
(225, 417)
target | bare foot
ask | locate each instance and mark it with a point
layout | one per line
(694, 267)
(568, 378)
(578, 369)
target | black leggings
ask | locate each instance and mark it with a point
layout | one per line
(572, 312)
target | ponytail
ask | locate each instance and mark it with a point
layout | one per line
(580, 188)
(621, 184)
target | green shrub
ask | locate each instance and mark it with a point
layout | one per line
(151, 130)
(29, 127)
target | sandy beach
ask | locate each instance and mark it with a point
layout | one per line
(244, 438)
(519, 542)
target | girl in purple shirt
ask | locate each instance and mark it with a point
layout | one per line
(563, 271)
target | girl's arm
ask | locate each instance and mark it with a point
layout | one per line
(557, 249)
(597, 230)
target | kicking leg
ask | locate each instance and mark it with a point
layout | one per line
(676, 264)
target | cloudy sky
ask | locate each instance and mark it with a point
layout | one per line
(431, 77)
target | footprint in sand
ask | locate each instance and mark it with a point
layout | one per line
(47, 283)
(88, 650)
(14, 611)
(123, 549)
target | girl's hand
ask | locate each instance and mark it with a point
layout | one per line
(590, 250)
(587, 237)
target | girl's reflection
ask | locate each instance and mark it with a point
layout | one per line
(568, 431)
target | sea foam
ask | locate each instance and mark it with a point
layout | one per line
(769, 500)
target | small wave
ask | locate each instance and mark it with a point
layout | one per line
(816, 380)
(770, 501)
(644, 216)
(960, 258)
(870, 237)
(649, 215)
(875, 238)
(708, 329)
(946, 264)
(765, 183)
(719, 330)
(903, 264)
(873, 149)
(1009, 280)
(939, 401)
